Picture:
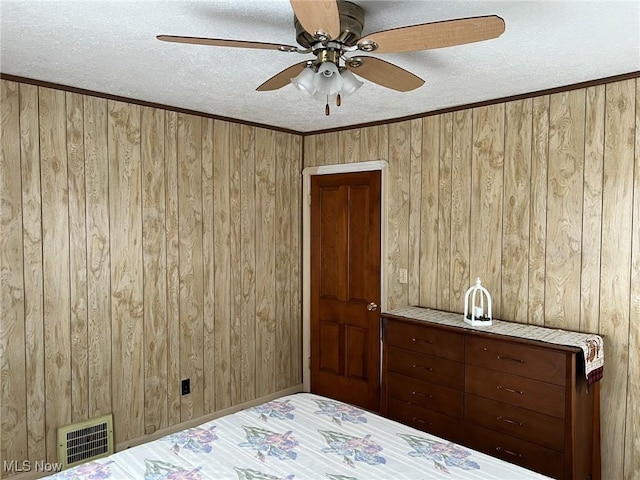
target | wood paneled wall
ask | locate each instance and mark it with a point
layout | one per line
(139, 247)
(541, 199)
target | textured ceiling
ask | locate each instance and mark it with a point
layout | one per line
(110, 47)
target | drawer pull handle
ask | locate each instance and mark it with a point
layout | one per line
(422, 367)
(419, 420)
(420, 394)
(501, 387)
(502, 419)
(502, 357)
(421, 340)
(500, 449)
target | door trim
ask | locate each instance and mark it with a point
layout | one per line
(307, 173)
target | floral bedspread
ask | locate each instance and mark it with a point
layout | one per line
(301, 436)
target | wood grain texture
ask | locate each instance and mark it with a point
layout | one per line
(283, 259)
(460, 209)
(592, 208)
(154, 253)
(208, 266)
(615, 268)
(98, 255)
(13, 438)
(349, 146)
(120, 265)
(171, 147)
(429, 210)
(222, 263)
(309, 151)
(632, 440)
(538, 210)
(487, 199)
(564, 203)
(125, 214)
(266, 227)
(248, 263)
(32, 271)
(515, 228)
(415, 187)
(443, 283)
(77, 257)
(398, 214)
(55, 254)
(191, 270)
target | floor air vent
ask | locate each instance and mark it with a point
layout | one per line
(84, 441)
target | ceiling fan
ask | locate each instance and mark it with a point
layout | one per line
(332, 31)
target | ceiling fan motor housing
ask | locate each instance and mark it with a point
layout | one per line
(351, 25)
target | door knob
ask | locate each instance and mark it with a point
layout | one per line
(372, 306)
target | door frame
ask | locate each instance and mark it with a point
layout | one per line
(307, 173)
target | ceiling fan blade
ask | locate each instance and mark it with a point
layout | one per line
(318, 16)
(219, 42)
(434, 35)
(384, 73)
(283, 78)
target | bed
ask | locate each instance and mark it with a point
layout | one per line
(300, 436)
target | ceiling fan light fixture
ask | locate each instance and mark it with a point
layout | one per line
(328, 79)
(304, 81)
(350, 83)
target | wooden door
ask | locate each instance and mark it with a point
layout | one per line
(345, 287)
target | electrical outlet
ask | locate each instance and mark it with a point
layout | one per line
(403, 275)
(186, 386)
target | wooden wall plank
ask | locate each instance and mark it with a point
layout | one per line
(98, 255)
(294, 161)
(33, 283)
(369, 144)
(125, 213)
(222, 262)
(517, 201)
(78, 257)
(460, 208)
(283, 260)
(309, 151)
(487, 199)
(349, 146)
(248, 262)
(615, 269)
(235, 273)
(564, 220)
(429, 211)
(538, 211)
(208, 265)
(415, 204)
(154, 253)
(191, 272)
(13, 437)
(443, 283)
(266, 227)
(592, 209)
(173, 267)
(632, 445)
(331, 149)
(55, 254)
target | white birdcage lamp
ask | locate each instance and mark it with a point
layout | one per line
(477, 305)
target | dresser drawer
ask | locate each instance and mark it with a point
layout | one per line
(424, 419)
(541, 397)
(426, 367)
(435, 397)
(515, 421)
(529, 455)
(524, 360)
(422, 339)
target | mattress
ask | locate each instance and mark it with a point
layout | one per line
(300, 436)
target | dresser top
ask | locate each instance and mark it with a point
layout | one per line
(591, 344)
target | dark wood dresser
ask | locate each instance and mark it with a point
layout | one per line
(521, 400)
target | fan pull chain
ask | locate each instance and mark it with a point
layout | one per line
(326, 107)
(338, 100)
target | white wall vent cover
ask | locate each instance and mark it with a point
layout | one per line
(83, 441)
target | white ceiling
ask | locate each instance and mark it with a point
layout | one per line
(110, 47)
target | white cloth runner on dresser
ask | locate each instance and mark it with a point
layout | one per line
(592, 345)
